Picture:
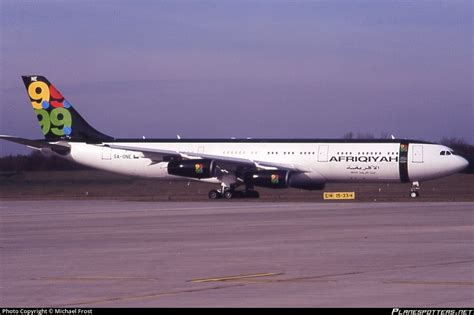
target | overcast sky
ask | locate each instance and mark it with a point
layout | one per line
(291, 69)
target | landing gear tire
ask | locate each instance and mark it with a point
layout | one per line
(214, 194)
(228, 194)
(414, 194)
(232, 194)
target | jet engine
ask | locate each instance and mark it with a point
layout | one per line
(282, 179)
(202, 168)
(303, 181)
(268, 178)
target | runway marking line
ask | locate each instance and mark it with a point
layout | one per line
(179, 292)
(230, 278)
(149, 295)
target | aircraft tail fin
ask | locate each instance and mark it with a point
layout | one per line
(56, 116)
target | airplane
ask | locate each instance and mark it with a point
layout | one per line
(232, 163)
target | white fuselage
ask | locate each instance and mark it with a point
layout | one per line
(321, 161)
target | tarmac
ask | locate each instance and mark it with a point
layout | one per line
(100, 253)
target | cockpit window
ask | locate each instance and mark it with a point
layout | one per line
(446, 153)
(452, 152)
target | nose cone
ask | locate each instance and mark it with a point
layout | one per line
(461, 163)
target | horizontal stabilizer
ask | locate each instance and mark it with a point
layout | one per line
(62, 149)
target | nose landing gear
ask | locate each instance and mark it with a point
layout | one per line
(414, 190)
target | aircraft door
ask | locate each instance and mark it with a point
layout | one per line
(323, 153)
(417, 154)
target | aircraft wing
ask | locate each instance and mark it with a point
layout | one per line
(246, 162)
(61, 148)
(230, 164)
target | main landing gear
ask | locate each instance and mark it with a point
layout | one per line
(414, 190)
(227, 193)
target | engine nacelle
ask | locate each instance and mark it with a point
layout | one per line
(268, 178)
(303, 181)
(202, 168)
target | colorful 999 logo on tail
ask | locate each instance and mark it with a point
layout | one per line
(51, 109)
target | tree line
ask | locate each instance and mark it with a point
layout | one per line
(36, 161)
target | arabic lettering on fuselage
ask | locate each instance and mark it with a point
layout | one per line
(365, 168)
